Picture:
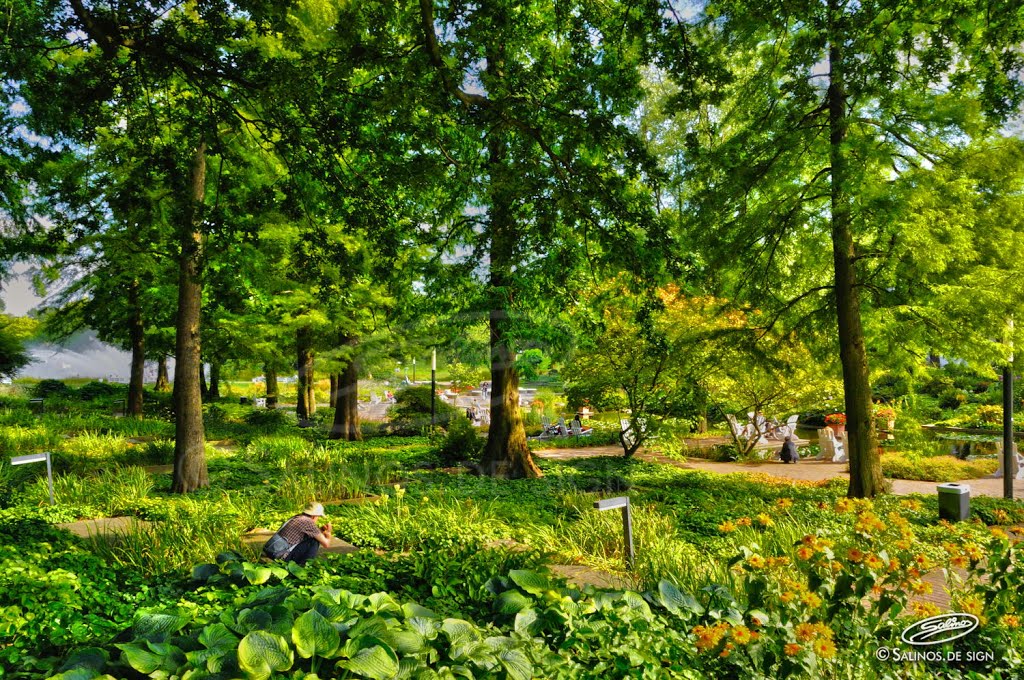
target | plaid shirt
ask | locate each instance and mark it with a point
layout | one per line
(297, 528)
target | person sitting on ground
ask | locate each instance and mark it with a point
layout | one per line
(299, 539)
(789, 453)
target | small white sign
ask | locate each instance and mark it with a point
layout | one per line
(30, 458)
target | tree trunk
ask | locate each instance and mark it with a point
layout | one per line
(163, 382)
(332, 399)
(204, 387)
(506, 453)
(189, 439)
(214, 394)
(346, 410)
(136, 332)
(865, 467)
(271, 383)
(305, 407)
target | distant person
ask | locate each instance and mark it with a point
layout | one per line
(299, 539)
(789, 453)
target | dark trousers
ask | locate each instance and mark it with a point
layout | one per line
(307, 549)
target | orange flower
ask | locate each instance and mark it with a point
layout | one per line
(743, 521)
(1010, 621)
(756, 561)
(855, 555)
(998, 533)
(787, 596)
(792, 649)
(725, 651)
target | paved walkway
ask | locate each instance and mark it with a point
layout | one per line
(805, 470)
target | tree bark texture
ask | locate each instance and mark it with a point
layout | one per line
(865, 467)
(305, 407)
(332, 398)
(270, 375)
(163, 382)
(137, 336)
(189, 439)
(346, 410)
(506, 453)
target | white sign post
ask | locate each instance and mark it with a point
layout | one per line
(38, 458)
(627, 522)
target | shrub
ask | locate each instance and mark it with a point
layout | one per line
(411, 412)
(98, 390)
(51, 388)
(934, 468)
(461, 443)
(268, 418)
(952, 398)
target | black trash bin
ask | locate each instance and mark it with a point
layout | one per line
(954, 502)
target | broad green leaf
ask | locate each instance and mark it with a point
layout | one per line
(314, 635)
(249, 620)
(458, 630)
(377, 662)
(404, 641)
(261, 653)
(526, 621)
(411, 609)
(676, 601)
(530, 581)
(512, 602)
(516, 664)
(426, 627)
(142, 660)
(203, 572)
(257, 575)
(382, 602)
(158, 626)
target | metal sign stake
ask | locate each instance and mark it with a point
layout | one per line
(38, 458)
(622, 502)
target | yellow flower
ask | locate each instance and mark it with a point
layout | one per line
(1010, 621)
(922, 561)
(902, 544)
(972, 605)
(826, 649)
(727, 527)
(805, 553)
(805, 632)
(959, 560)
(843, 505)
(973, 551)
(784, 503)
(811, 600)
(855, 555)
(741, 635)
(764, 520)
(743, 521)
(920, 587)
(924, 609)
(998, 533)
(756, 561)
(792, 649)
(1002, 516)
(910, 504)
(873, 561)
(809, 540)
(787, 596)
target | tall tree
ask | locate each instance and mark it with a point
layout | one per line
(830, 103)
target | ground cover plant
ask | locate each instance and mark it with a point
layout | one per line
(736, 575)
